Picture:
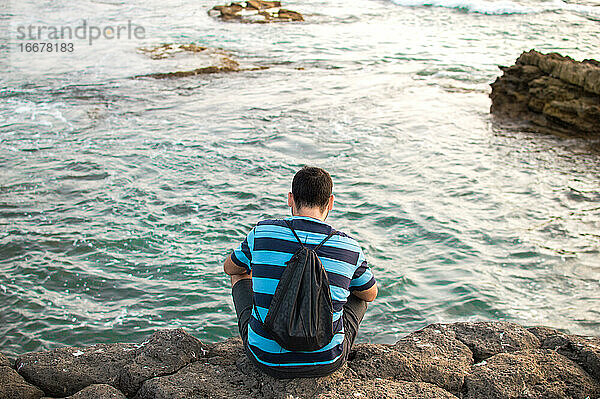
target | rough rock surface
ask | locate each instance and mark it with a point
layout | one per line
(555, 93)
(432, 355)
(13, 386)
(353, 388)
(486, 338)
(98, 391)
(255, 11)
(225, 377)
(164, 353)
(459, 360)
(4, 361)
(65, 371)
(537, 373)
(585, 351)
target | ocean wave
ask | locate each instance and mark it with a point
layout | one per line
(503, 7)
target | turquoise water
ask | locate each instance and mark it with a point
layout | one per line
(120, 197)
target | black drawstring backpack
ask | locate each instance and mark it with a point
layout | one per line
(301, 312)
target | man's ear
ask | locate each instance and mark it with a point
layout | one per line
(330, 205)
(290, 200)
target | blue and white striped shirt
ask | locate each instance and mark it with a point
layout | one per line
(265, 251)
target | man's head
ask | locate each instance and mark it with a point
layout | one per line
(311, 192)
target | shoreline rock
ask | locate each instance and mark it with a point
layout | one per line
(255, 11)
(553, 93)
(458, 360)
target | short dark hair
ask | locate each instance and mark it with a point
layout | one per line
(312, 187)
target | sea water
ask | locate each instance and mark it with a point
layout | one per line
(120, 197)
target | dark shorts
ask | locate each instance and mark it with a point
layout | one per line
(354, 311)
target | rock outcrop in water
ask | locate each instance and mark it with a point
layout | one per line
(255, 11)
(460, 360)
(554, 93)
(178, 61)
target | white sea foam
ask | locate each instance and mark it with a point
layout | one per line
(586, 10)
(503, 7)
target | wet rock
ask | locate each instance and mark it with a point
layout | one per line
(164, 353)
(538, 373)
(354, 388)
(4, 361)
(171, 50)
(183, 60)
(13, 386)
(554, 93)
(486, 338)
(255, 11)
(98, 391)
(431, 355)
(65, 371)
(585, 351)
(585, 74)
(177, 61)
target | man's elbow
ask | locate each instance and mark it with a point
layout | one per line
(372, 293)
(227, 265)
(232, 269)
(367, 295)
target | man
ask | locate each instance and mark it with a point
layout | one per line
(256, 266)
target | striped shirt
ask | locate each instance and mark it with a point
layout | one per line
(265, 251)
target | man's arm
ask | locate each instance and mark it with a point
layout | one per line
(232, 269)
(367, 295)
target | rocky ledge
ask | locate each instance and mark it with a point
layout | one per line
(255, 11)
(460, 360)
(554, 93)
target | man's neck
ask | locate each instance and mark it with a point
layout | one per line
(314, 213)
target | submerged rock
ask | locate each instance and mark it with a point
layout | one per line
(171, 50)
(458, 360)
(176, 61)
(182, 60)
(255, 11)
(554, 93)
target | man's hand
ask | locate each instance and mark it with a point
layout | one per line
(367, 295)
(232, 269)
